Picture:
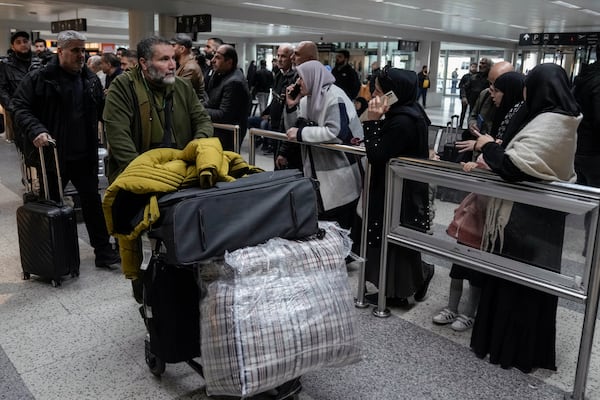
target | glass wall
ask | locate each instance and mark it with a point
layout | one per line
(454, 64)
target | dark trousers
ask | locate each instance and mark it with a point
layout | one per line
(85, 179)
(422, 93)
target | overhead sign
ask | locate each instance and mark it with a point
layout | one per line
(407, 45)
(78, 24)
(559, 39)
(326, 47)
(194, 23)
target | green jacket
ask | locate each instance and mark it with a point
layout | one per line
(134, 122)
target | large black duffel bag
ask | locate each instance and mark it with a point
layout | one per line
(197, 224)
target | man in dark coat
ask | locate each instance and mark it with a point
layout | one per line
(63, 102)
(228, 95)
(345, 76)
(20, 61)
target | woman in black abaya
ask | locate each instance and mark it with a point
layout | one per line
(516, 325)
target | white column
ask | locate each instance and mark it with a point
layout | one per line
(141, 25)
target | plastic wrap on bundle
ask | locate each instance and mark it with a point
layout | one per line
(287, 309)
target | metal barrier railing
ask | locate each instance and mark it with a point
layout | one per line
(358, 150)
(574, 201)
(235, 130)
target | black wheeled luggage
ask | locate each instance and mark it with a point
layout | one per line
(197, 224)
(48, 241)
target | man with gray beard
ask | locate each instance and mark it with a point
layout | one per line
(149, 107)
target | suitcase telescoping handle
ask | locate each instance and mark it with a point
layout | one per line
(45, 175)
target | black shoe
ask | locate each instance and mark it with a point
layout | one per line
(107, 259)
(420, 294)
(138, 290)
(373, 298)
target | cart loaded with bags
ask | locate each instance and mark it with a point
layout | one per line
(246, 287)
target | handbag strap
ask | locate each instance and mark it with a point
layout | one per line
(314, 176)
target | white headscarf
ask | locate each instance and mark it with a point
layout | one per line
(317, 80)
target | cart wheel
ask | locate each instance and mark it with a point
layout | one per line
(55, 283)
(156, 365)
(26, 276)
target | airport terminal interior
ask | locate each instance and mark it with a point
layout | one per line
(85, 338)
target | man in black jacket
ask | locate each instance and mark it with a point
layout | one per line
(228, 95)
(20, 61)
(63, 102)
(345, 76)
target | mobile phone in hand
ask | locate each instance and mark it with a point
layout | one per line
(480, 121)
(295, 91)
(391, 96)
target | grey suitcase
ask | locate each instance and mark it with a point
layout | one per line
(197, 224)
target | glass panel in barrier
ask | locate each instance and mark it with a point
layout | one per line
(528, 234)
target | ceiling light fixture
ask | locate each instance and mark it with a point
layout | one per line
(519, 26)
(565, 4)
(592, 12)
(11, 5)
(432, 29)
(264, 6)
(345, 16)
(429, 10)
(308, 12)
(380, 22)
(390, 3)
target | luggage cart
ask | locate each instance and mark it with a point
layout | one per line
(171, 314)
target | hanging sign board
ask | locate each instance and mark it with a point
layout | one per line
(194, 23)
(78, 24)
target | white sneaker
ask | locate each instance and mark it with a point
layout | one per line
(462, 323)
(446, 316)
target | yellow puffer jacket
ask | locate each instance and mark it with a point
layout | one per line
(201, 163)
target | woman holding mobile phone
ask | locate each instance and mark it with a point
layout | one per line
(317, 111)
(403, 132)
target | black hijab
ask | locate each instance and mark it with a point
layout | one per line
(547, 90)
(404, 84)
(511, 85)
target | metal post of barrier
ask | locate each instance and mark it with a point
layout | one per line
(360, 302)
(589, 326)
(380, 311)
(235, 131)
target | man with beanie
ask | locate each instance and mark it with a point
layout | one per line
(20, 61)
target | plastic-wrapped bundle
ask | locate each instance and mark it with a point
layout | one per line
(277, 311)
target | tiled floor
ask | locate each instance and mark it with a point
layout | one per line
(85, 339)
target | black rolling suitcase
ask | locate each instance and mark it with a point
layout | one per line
(48, 241)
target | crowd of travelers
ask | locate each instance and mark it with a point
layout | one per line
(166, 93)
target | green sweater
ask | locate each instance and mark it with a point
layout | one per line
(134, 118)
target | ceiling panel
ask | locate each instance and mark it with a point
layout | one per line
(496, 23)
